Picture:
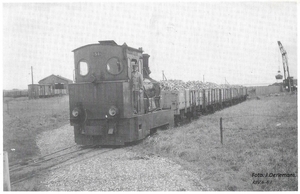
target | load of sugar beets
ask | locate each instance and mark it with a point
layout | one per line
(177, 85)
(153, 88)
(192, 98)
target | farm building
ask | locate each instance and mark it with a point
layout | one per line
(264, 90)
(52, 85)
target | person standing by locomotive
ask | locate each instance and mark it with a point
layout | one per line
(137, 87)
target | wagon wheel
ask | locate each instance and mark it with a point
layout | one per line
(177, 121)
(166, 127)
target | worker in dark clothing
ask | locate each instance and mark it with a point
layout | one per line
(137, 87)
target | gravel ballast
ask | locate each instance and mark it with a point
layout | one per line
(106, 169)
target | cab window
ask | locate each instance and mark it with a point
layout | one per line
(114, 66)
(83, 68)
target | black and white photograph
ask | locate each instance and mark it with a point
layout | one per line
(150, 96)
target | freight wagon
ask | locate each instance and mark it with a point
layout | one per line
(15, 93)
(190, 103)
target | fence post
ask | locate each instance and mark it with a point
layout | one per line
(221, 130)
(6, 177)
(7, 109)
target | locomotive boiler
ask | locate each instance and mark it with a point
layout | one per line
(102, 106)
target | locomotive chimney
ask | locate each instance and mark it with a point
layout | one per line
(146, 71)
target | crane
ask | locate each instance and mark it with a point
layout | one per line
(288, 81)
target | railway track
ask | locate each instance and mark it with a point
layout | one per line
(34, 167)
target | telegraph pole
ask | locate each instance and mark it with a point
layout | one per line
(164, 77)
(31, 75)
(74, 75)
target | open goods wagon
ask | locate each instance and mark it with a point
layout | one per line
(190, 102)
(15, 93)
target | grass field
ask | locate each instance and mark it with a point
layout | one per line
(23, 120)
(260, 136)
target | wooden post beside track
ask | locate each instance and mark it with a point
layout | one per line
(6, 177)
(221, 130)
(7, 103)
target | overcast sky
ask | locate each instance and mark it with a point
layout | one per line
(236, 41)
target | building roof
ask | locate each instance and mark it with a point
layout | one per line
(58, 76)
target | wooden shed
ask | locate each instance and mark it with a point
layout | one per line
(54, 85)
(46, 90)
(33, 91)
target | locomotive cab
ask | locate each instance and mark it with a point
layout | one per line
(103, 107)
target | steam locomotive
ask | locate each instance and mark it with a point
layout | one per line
(102, 106)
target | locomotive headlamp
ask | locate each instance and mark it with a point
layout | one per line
(76, 112)
(113, 111)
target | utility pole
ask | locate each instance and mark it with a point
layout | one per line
(164, 77)
(31, 75)
(74, 76)
(203, 78)
(226, 82)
